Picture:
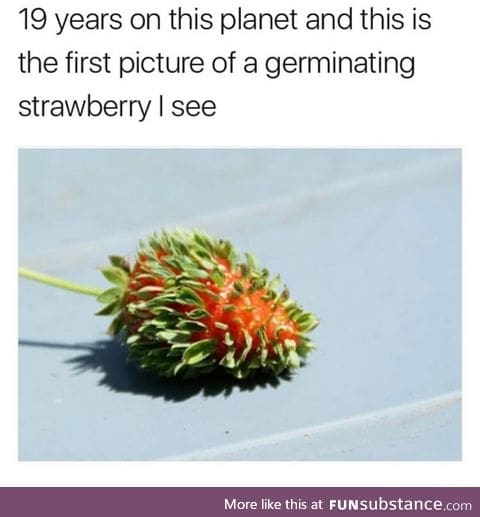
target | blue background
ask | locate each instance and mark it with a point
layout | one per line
(369, 240)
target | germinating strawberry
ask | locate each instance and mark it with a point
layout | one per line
(190, 305)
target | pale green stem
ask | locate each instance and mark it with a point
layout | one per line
(58, 282)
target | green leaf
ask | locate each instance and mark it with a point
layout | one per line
(307, 322)
(116, 325)
(290, 344)
(132, 339)
(228, 359)
(218, 277)
(251, 261)
(109, 309)
(189, 297)
(191, 326)
(199, 351)
(120, 262)
(150, 289)
(156, 268)
(197, 314)
(304, 348)
(195, 273)
(262, 335)
(227, 339)
(263, 356)
(115, 275)
(248, 345)
(170, 335)
(178, 368)
(255, 362)
(110, 295)
(238, 287)
(274, 283)
(293, 359)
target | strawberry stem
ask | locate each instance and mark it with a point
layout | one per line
(58, 282)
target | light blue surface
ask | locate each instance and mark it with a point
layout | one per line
(368, 240)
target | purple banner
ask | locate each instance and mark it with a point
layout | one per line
(224, 502)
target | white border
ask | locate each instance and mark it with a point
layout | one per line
(439, 109)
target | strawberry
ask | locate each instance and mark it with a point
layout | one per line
(190, 305)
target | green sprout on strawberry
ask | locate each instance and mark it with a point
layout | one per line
(189, 305)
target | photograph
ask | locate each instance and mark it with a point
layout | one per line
(240, 304)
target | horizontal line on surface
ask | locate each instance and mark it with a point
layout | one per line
(74, 254)
(388, 415)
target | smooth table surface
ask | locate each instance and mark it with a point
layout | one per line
(368, 240)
